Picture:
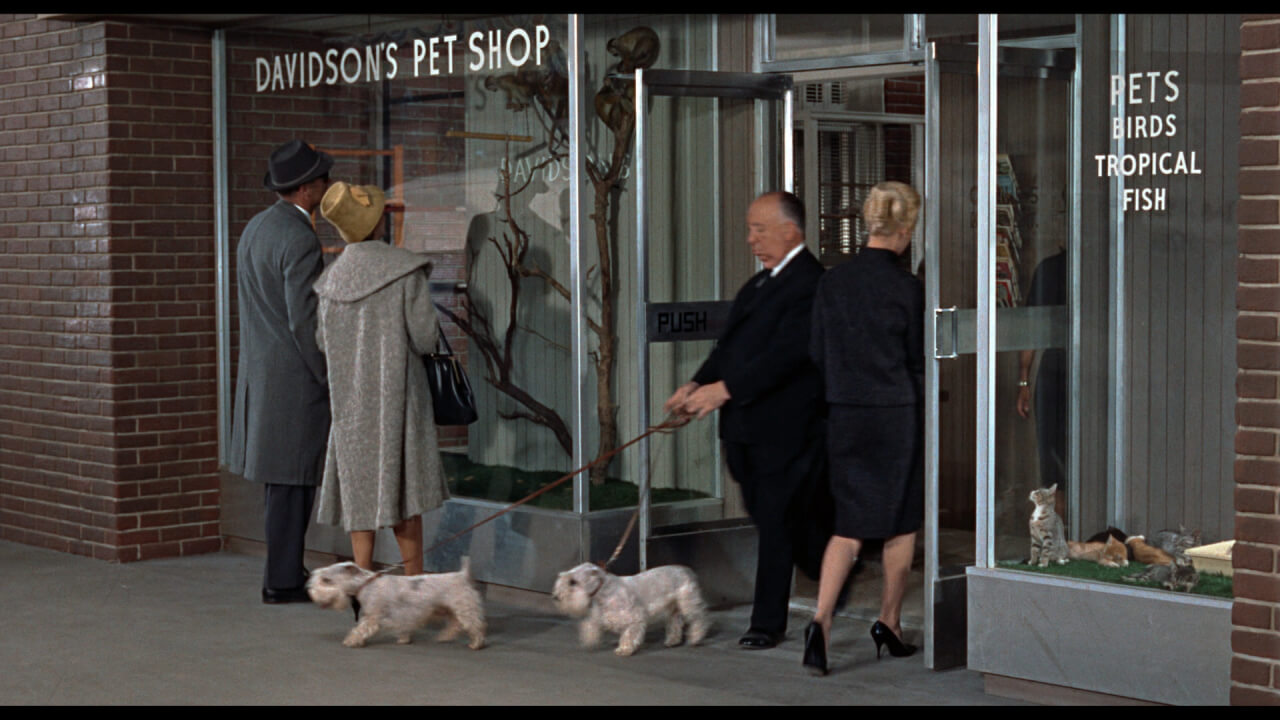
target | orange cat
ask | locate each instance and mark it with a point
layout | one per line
(1146, 553)
(1112, 553)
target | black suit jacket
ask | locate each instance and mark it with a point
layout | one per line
(762, 357)
(868, 332)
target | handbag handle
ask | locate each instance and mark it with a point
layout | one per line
(441, 339)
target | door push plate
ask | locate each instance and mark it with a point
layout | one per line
(941, 323)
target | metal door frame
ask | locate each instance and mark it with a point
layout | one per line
(980, 329)
(684, 83)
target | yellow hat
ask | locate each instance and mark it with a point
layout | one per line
(353, 209)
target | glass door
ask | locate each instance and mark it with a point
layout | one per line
(681, 302)
(996, 170)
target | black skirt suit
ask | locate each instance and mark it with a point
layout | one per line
(868, 341)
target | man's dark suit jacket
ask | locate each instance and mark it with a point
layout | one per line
(763, 358)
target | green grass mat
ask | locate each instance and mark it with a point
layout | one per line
(1210, 584)
(505, 484)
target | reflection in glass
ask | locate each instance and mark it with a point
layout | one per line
(683, 266)
(463, 125)
(811, 35)
(1049, 408)
(1032, 231)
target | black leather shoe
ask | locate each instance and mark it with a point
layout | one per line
(288, 595)
(815, 650)
(759, 639)
(882, 635)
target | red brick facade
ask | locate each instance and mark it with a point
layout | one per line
(107, 411)
(1255, 616)
(905, 96)
(108, 405)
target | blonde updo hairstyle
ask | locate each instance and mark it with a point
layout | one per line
(890, 206)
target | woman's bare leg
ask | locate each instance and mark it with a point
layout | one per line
(409, 538)
(837, 562)
(362, 547)
(898, 554)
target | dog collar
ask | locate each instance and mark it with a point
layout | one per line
(593, 592)
(372, 577)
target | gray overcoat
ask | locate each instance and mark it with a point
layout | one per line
(280, 417)
(376, 323)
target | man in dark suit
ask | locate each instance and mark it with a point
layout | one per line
(280, 423)
(769, 394)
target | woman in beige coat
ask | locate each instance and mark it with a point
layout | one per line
(376, 321)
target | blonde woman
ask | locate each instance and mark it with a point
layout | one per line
(868, 340)
(376, 321)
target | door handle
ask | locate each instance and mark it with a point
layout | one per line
(955, 333)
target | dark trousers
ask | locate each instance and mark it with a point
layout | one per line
(1051, 426)
(778, 487)
(288, 511)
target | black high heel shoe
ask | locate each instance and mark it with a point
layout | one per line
(884, 636)
(815, 650)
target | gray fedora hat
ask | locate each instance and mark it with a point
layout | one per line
(295, 163)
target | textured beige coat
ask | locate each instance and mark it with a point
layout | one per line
(376, 321)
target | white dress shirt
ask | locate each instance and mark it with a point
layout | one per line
(794, 251)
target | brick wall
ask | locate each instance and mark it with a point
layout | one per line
(904, 95)
(107, 406)
(1255, 616)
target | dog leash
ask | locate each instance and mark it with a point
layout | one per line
(672, 423)
(626, 534)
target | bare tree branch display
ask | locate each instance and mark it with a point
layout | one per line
(497, 348)
(544, 91)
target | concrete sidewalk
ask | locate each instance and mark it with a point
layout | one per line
(193, 631)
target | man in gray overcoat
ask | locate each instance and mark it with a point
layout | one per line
(280, 419)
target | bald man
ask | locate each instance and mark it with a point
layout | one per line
(769, 395)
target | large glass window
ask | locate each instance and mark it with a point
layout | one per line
(464, 125)
(1128, 413)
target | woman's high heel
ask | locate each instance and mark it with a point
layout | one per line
(884, 636)
(815, 649)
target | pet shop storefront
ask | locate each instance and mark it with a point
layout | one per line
(507, 147)
(580, 183)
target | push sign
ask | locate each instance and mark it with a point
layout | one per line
(679, 322)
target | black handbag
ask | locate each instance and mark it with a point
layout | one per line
(451, 396)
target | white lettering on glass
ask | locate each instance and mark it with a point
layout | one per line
(486, 50)
(1149, 90)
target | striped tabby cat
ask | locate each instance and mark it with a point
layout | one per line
(1176, 542)
(1048, 538)
(1178, 575)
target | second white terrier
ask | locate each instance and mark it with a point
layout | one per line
(627, 604)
